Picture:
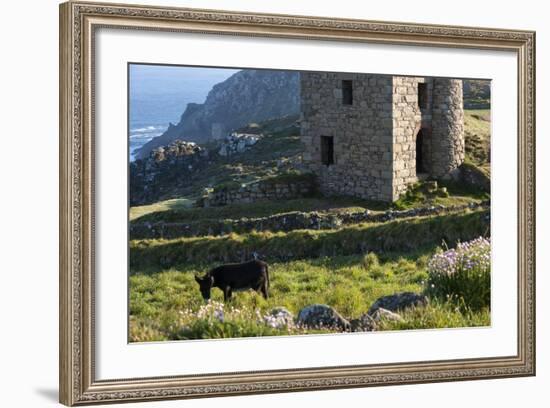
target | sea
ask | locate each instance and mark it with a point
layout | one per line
(159, 94)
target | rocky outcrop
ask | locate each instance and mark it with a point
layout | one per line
(164, 170)
(245, 97)
(322, 316)
(237, 143)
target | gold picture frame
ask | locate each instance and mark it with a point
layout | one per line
(78, 22)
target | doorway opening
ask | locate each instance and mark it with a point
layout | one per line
(420, 152)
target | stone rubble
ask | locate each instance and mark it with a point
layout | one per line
(238, 143)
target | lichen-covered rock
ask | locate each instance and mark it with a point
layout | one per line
(318, 315)
(398, 301)
(383, 314)
(282, 315)
(363, 324)
(237, 143)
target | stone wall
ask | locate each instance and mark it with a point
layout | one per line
(447, 128)
(265, 190)
(407, 122)
(362, 133)
(291, 221)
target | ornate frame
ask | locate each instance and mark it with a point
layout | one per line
(78, 20)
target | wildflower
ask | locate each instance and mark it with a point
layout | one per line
(218, 314)
(463, 273)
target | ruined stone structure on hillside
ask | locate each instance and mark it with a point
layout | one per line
(371, 136)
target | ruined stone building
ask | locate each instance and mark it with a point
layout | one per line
(371, 136)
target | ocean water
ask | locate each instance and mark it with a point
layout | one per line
(159, 94)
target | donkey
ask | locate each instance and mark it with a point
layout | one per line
(235, 278)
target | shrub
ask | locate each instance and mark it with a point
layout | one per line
(370, 261)
(422, 262)
(227, 186)
(463, 274)
(377, 272)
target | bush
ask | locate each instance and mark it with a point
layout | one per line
(370, 261)
(377, 273)
(227, 186)
(463, 274)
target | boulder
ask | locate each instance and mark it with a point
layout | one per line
(317, 316)
(384, 314)
(363, 324)
(282, 314)
(398, 301)
(241, 146)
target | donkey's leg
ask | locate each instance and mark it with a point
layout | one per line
(264, 289)
(227, 294)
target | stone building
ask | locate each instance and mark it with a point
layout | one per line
(373, 135)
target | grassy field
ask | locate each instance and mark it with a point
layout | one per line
(347, 267)
(347, 283)
(180, 210)
(175, 204)
(306, 267)
(477, 133)
(407, 235)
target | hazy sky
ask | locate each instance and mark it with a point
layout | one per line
(163, 79)
(160, 93)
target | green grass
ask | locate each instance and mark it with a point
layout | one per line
(285, 177)
(405, 235)
(477, 129)
(160, 302)
(176, 204)
(347, 268)
(341, 282)
(456, 194)
(262, 209)
(438, 315)
(282, 140)
(416, 197)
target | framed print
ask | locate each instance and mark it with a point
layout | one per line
(255, 203)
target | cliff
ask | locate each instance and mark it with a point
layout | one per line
(245, 97)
